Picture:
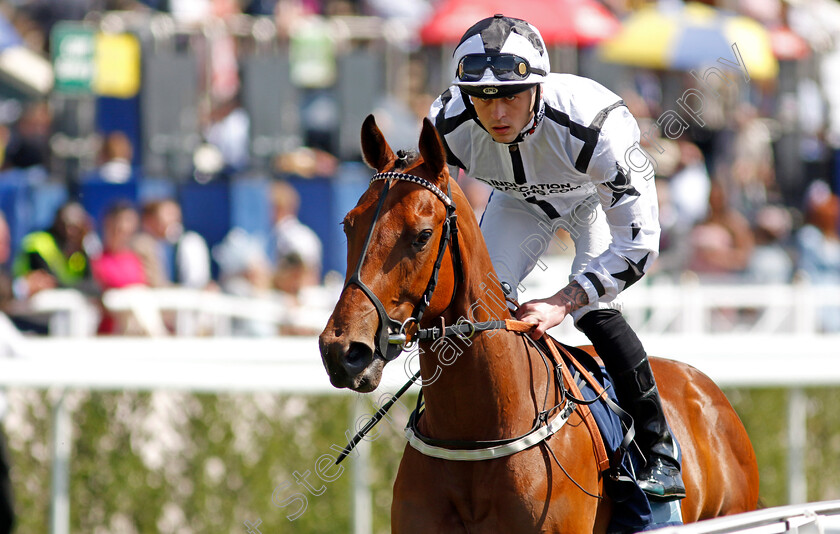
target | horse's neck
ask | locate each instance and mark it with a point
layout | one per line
(485, 386)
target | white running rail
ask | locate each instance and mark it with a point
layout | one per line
(811, 518)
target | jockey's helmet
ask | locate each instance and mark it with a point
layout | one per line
(499, 56)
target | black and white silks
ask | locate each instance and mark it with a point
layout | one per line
(580, 163)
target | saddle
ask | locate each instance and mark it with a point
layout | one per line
(632, 511)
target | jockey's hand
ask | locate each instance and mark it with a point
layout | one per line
(544, 313)
(549, 312)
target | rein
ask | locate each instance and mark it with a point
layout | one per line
(500, 447)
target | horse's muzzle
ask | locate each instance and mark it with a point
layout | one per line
(353, 367)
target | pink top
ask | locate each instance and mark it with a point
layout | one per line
(118, 269)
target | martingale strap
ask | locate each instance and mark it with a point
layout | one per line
(542, 429)
(535, 436)
(485, 450)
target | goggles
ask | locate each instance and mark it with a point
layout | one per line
(505, 67)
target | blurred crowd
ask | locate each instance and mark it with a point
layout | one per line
(726, 213)
(148, 246)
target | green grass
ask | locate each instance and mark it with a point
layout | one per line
(176, 462)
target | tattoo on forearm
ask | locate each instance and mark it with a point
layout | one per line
(575, 295)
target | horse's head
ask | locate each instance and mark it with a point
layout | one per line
(396, 235)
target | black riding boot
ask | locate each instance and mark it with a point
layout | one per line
(660, 477)
(626, 361)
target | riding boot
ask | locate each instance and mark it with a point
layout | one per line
(626, 361)
(660, 477)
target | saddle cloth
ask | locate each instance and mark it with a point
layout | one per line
(632, 510)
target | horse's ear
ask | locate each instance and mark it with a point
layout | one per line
(375, 148)
(432, 149)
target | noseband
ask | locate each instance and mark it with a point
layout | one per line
(391, 333)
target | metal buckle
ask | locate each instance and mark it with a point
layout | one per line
(472, 330)
(400, 337)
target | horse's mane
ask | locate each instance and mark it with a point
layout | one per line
(406, 159)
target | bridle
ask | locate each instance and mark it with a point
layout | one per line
(391, 333)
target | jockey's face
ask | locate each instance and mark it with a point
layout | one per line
(505, 117)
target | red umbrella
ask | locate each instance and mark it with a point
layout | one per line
(788, 45)
(561, 22)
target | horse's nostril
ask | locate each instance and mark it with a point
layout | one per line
(358, 357)
(357, 353)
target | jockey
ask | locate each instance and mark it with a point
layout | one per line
(561, 151)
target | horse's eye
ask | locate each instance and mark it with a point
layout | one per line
(422, 238)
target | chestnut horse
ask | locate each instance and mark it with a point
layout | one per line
(407, 256)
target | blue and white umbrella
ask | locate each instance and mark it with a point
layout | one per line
(690, 36)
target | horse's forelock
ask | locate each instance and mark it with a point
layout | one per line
(406, 159)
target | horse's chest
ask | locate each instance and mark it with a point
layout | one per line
(486, 492)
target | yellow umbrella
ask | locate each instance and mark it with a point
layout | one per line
(691, 36)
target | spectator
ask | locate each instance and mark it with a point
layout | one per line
(245, 271)
(682, 187)
(723, 243)
(7, 296)
(12, 294)
(689, 186)
(229, 132)
(313, 70)
(28, 143)
(244, 266)
(770, 262)
(753, 176)
(118, 266)
(259, 7)
(818, 245)
(673, 240)
(296, 248)
(114, 160)
(292, 275)
(309, 305)
(168, 253)
(59, 256)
